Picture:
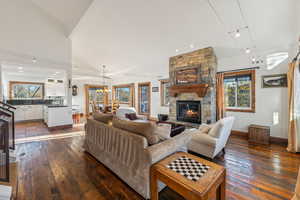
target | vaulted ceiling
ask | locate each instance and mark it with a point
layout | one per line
(136, 37)
(66, 13)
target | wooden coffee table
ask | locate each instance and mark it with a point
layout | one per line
(208, 186)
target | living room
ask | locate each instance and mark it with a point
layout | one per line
(150, 100)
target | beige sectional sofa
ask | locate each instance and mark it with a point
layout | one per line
(128, 154)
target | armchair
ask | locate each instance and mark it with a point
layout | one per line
(210, 144)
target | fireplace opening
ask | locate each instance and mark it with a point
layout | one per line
(189, 111)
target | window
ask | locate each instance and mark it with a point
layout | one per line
(94, 99)
(124, 94)
(164, 92)
(144, 98)
(239, 91)
(26, 90)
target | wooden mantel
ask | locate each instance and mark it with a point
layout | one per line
(200, 89)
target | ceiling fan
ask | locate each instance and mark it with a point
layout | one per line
(103, 74)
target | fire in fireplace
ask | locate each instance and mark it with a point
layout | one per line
(188, 111)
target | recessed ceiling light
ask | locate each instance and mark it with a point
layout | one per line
(20, 68)
(34, 60)
(248, 51)
(57, 72)
(176, 50)
(237, 34)
(191, 46)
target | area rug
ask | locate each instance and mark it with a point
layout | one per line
(49, 137)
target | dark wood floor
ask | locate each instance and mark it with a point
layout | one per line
(37, 128)
(59, 169)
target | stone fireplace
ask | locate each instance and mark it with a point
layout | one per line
(192, 81)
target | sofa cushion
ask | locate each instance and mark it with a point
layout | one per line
(103, 117)
(131, 116)
(215, 131)
(146, 129)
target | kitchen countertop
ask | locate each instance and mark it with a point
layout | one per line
(56, 106)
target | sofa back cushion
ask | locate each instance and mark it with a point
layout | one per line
(146, 129)
(103, 117)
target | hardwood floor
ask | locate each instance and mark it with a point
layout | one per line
(37, 128)
(59, 169)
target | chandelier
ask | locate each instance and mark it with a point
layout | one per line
(105, 89)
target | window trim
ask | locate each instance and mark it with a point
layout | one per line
(139, 98)
(253, 97)
(11, 83)
(132, 92)
(162, 92)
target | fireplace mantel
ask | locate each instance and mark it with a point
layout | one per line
(199, 89)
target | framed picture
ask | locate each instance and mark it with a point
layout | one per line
(274, 81)
(187, 76)
(155, 89)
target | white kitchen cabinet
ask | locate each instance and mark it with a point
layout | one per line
(28, 112)
(55, 89)
(19, 113)
(55, 116)
(34, 112)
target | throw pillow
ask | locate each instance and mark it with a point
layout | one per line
(163, 130)
(205, 128)
(146, 129)
(131, 116)
(216, 129)
(103, 117)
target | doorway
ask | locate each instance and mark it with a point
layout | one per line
(94, 98)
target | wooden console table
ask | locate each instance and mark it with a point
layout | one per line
(210, 185)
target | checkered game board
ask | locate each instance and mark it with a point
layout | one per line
(191, 169)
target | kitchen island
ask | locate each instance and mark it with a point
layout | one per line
(58, 116)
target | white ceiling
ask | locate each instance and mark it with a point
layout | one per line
(137, 37)
(38, 72)
(67, 12)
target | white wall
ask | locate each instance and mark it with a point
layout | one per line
(268, 100)
(27, 31)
